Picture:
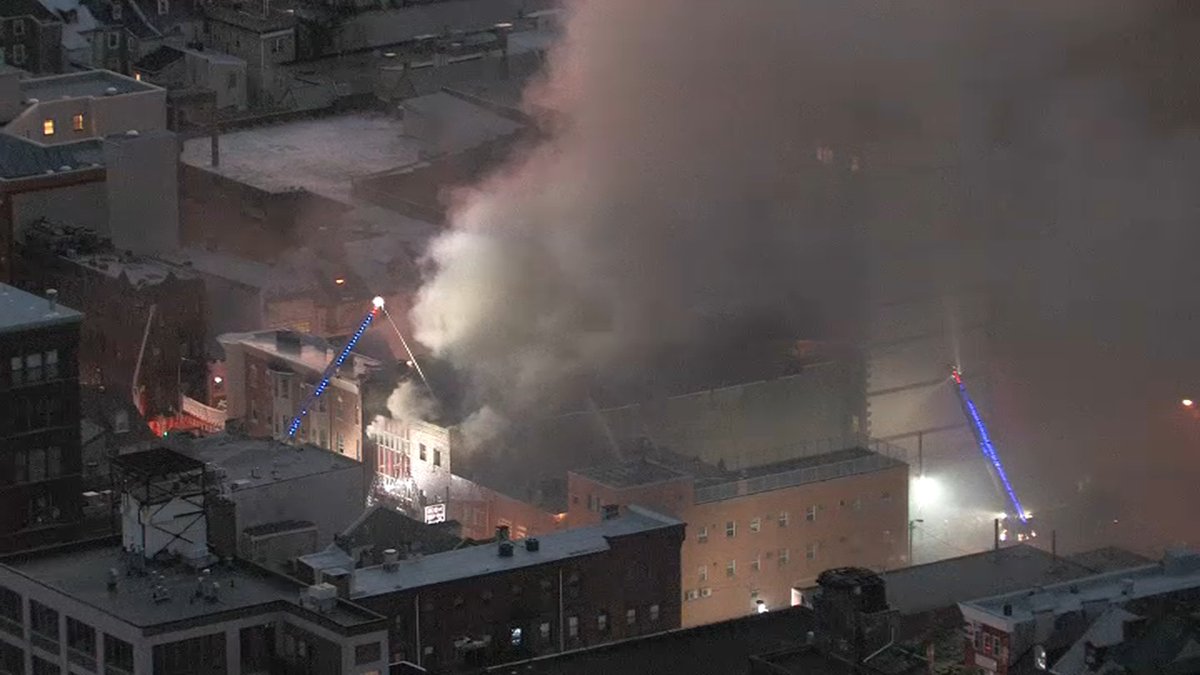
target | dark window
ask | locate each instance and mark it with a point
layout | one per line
(118, 654)
(422, 455)
(43, 667)
(12, 659)
(368, 653)
(43, 624)
(437, 457)
(11, 617)
(258, 648)
(81, 643)
(204, 655)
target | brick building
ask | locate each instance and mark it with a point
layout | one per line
(512, 599)
(757, 535)
(40, 463)
(128, 300)
(269, 374)
(31, 36)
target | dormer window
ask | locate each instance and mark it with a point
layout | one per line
(164, 6)
(116, 11)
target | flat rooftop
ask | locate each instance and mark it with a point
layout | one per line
(1179, 570)
(137, 270)
(21, 311)
(82, 85)
(482, 560)
(272, 461)
(314, 354)
(23, 158)
(942, 584)
(81, 572)
(632, 474)
(322, 156)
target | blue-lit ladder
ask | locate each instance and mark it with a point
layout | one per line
(984, 441)
(330, 371)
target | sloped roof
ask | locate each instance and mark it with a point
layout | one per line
(13, 8)
(158, 59)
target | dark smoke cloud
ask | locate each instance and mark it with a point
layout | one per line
(678, 188)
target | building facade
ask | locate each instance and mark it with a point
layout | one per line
(270, 374)
(513, 599)
(40, 463)
(756, 536)
(263, 39)
(129, 301)
(31, 36)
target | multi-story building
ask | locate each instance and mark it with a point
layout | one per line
(40, 464)
(269, 375)
(90, 104)
(144, 319)
(159, 603)
(260, 35)
(757, 535)
(30, 36)
(1029, 629)
(484, 604)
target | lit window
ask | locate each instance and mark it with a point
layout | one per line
(137, 76)
(654, 612)
(702, 535)
(515, 636)
(783, 518)
(544, 631)
(602, 621)
(630, 617)
(810, 514)
(573, 626)
(731, 568)
(756, 524)
(730, 529)
(48, 127)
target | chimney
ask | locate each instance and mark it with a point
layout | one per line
(502, 533)
(52, 297)
(532, 545)
(610, 511)
(506, 549)
(391, 559)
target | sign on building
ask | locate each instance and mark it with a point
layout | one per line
(435, 513)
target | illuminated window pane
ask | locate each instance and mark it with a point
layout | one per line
(48, 128)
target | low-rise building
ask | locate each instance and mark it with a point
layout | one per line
(89, 104)
(757, 535)
(186, 68)
(510, 599)
(269, 376)
(40, 459)
(1029, 629)
(261, 36)
(146, 321)
(30, 36)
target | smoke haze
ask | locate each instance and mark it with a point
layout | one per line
(678, 189)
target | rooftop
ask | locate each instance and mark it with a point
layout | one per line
(1108, 559)
(21, 311)
(937, 585)
(81, 572)
(631, 474)
(256, 22)
(390, 27)
(82, 84)
(12, 8)
(157, 462)
(23, 158)
(460, 124)
(1179, 570)
(313, 355)
(137, 271)
(721, 648)
(482, 560)
(253, 462)
(321, 156)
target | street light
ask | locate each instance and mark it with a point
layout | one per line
(1187, 403)
(912, 526)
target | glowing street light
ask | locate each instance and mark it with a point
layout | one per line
(218, 379)
(1187, 403)
(377, 301)
(926, 491)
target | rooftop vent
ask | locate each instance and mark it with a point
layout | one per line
(391, 559)
(110, 91)
(506, 549)
(65, 167)
(532, 544)
(32, 101)
(131, 132)
(502, 533)
(113, 575)
(52, 299)
(611, 511)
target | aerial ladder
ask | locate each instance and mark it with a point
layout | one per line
(1016, 523)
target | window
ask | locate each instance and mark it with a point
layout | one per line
(702, 535)
(116, 11)
(654, 612)
(43, 667)
(730, 529)
(856, 504)
(705, 592)
(691, 595)
(755, 524)
(341, 443)
(81, 643)
(784, 557)
(810, 551)
(43, 624)
(573, 626)
(702, 572)
(422, 455)
(37, 465)
(163, 7)
(232, 84)
(515, 636)
(368, 653)
(53, 462)
(810, 514)
(437, 457)
(50, 360)
(12, 616)
(544, 631)
(731, 569)
(47, 127)
(17, 369)
(885, 497)
(602, 621)
(114, 40)
(19, 27)
(783, 518)
(630, 617)
(119, 653)
(18, 56)
(756, 564)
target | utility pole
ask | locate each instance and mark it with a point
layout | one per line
(912, 527)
